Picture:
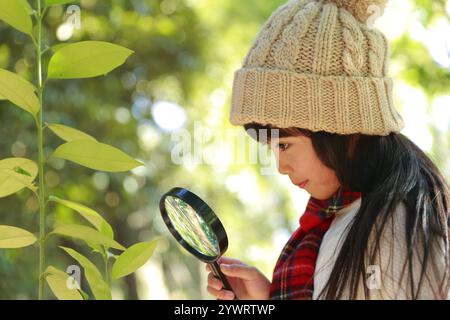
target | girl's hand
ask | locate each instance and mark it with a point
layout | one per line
(248, 282)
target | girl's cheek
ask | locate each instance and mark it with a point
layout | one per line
(329, 177)
(303, 170)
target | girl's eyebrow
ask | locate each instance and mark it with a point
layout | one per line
(284, 138)
(279, 141)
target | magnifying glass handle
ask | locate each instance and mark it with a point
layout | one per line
(219, 274)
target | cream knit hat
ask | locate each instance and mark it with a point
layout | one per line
(317, 65)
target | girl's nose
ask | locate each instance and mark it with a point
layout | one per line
(283, 168)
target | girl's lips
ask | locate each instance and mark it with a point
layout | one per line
(303, 184)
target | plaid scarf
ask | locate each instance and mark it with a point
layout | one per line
(293, 276)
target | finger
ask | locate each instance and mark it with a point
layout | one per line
(226, 260)
(221, 294)
(207, 267)
(239, 271)
(214, 282)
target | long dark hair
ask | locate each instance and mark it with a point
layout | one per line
(387, 170)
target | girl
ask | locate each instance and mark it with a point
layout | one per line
(377, 223)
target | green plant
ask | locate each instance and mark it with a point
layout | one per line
(84, 59)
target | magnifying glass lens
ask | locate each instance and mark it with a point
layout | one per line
(191, 227)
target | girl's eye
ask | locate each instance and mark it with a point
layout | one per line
(283, 146)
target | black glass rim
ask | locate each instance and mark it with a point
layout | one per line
(205, 212)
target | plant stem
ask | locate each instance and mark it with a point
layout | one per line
(106, 260)
(42, 220)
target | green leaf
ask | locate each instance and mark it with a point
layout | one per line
(19, 91)
(96, 248)
(12, 181)
(99, 287)
(58, 46)
(12, 237)
(16, 174)
(133, 258)
(54, 271)
(86, 59)
(26, 6)
(61, 274)
(57, 281)
(90, 215)
(96, 155)
(29, 167)
(17, 14)
(87, 234)
(69, 134)
(55, 2)
(84, 295)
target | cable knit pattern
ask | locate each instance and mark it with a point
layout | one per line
(263, 33)
(285, 52)
(316, 66)
(258, 55)
(376, 50)
(323, 47)
(353, 57)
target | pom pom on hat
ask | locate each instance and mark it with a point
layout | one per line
(362, 9)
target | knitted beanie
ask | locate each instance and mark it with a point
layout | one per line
(318, 65)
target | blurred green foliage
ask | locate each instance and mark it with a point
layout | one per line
(185, 53)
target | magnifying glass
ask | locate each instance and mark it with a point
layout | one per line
(196, 227)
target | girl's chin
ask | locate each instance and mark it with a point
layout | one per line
(323, 195)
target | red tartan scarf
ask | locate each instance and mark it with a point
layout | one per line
(293, 276)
